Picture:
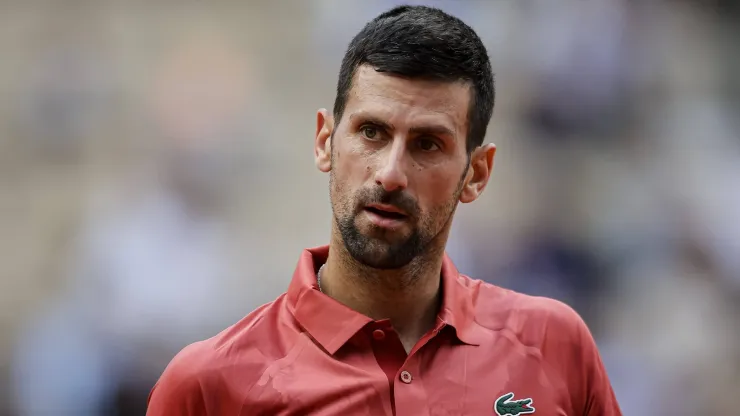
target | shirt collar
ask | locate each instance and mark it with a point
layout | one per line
(458, 307)
(332, 324)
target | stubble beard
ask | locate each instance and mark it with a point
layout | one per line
(376, 252)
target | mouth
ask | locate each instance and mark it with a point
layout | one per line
(386, 211)
(386, 216)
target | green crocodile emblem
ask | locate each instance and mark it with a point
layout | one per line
(506, 407)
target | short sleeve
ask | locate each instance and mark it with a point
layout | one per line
(599, 397)
(573, 350)
(179, 391)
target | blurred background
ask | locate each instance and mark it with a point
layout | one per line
(157, 183)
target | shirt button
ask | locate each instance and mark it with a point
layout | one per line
(379, 334)
(406, 377)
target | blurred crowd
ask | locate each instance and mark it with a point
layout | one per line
(157, 183)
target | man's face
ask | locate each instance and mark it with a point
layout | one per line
(398, 164)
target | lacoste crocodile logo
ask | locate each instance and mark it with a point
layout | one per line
(506, 407)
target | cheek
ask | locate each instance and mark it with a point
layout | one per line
(340, 196)
(355, 164)
(343, 184)
(440, 187)
(439, 196)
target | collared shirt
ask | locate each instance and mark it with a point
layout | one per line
(492, 352)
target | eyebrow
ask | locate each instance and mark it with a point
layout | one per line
(368, 119)
(434, 129)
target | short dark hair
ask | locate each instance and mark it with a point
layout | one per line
(423, 42)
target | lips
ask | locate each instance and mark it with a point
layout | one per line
(386, 211)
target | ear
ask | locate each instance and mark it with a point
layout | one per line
(481, 165)
(322, 144)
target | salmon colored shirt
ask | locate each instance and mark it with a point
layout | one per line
(492, 352)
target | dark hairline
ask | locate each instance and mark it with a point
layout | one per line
(476, 73)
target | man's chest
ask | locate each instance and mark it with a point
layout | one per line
(450, 380)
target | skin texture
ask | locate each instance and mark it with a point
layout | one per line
(401, 142)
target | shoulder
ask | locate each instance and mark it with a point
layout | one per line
(179, 389)
(202, 371)
(534, 321)
(555, 334)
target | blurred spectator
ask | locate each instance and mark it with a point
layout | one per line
(157, 271)
(69, 90)
(581, 59)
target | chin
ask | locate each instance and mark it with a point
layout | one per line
(380, 248)
(379, 254)
(380, 262)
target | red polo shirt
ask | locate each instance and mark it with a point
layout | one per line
(492, 352)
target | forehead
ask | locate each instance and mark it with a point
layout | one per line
(401, 99)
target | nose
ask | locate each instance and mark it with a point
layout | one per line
(391, 174)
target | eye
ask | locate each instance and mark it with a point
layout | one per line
(369, 132)
(427, 145)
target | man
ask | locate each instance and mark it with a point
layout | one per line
(380, 322)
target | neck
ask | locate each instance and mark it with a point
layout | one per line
(409, 297)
